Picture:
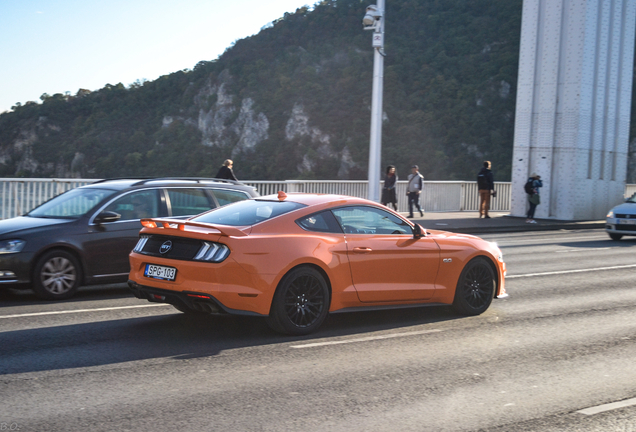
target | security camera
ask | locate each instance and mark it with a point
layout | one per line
(371, 17)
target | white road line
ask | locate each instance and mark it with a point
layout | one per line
(548, 240)
(81, 310)
(570, 271)
(366, 339)
(583, 250)
(608, 407)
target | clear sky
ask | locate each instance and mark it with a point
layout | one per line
(55, 46)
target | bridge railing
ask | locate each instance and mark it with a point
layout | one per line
(20, 195)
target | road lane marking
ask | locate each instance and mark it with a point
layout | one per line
(80, 311)
(608, 407)
(548, 240)
(570, 271)
(366, 339)
(583, 250)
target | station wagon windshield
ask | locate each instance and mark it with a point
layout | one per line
(248, 212)
(72, 204)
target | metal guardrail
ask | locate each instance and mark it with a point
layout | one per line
(19, 195)
(437, 196)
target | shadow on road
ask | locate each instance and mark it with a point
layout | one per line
(175, 335)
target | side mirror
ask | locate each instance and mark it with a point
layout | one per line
(107, 217)
(418, 232)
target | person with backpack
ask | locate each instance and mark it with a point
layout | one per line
(534, 199)
(486, 186)
(413, 190)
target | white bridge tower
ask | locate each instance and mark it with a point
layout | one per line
(573, 105)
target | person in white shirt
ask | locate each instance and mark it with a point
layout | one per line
(414, 189)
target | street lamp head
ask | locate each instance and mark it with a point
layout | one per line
(372, 17)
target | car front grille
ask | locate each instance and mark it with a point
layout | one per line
(177, 248)
(625, 216)
(625, 227)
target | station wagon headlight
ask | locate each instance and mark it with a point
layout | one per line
(610, 214)
(212, 252)
(11, 246)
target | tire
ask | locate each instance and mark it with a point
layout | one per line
(615, 236)
(476, 288)
(57, 275)
(301, 302)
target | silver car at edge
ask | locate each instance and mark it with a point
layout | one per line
(621, 220)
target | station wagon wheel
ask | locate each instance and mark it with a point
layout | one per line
(476, 288)
(57, 275)
(301, 302)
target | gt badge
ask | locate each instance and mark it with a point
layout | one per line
(165, 247)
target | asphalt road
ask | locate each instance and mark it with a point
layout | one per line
(564, 341)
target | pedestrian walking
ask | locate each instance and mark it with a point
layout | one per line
(225, 172)
(414, 189)
(486, 186)
(534, 198)
(388, 191)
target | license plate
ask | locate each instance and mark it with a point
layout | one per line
(160, 272)
(627, 221)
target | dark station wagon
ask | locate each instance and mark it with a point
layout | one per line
(84, 236)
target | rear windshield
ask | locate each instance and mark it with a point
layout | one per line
(248, 212)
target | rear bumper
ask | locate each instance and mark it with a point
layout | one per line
(197, 301)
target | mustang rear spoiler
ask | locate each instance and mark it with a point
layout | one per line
(184, 225)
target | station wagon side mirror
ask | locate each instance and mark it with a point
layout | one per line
(418, 232)
(107, 217)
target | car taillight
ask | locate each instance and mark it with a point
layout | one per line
(141, 243)
(212, 252)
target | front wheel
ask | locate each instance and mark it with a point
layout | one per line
(301, 302)
(615, 236)
(57, 275)
(476, 288)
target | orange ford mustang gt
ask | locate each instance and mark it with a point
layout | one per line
(295, 258)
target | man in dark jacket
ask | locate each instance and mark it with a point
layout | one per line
(486, 186)
(225, 172)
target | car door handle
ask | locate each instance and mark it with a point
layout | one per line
(361, 250)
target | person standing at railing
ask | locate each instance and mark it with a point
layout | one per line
(225, 172)
(414, 189)
(486, 186)
(534, 199)
(388, 191)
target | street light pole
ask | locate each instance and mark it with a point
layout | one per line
(374, 20)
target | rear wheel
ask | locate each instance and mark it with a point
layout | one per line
(301, 302)
(615, 236)
(57, 275)
(476, 288)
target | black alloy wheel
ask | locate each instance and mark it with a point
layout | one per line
(57, 275)
(301, 302)
(476, 288)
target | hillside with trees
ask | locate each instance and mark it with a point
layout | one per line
(293, 102)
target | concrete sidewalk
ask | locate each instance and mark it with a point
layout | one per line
(470, 223)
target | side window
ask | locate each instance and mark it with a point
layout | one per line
(136, 205)
(188, 202)
(370, 220)
(229, 196)
(320, 222)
